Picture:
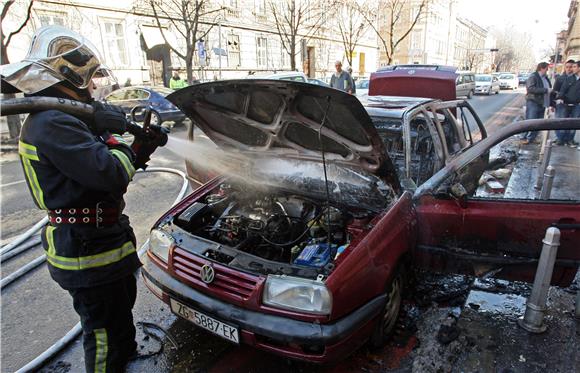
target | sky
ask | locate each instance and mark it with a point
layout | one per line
(541, 18)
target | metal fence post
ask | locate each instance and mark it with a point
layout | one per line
(544, 164)
(533, 320)
(545, 137)
(548, 181)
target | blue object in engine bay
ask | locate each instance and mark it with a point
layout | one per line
(314, 255)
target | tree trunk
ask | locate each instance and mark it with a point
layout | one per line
(293, 57)
(189, 68)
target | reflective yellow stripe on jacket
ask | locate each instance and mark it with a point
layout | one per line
(122, 157)
(85, 262)
(27, 154)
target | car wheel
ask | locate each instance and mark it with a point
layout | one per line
(390, 312)
(469, 95)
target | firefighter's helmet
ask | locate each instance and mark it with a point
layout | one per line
(56, 54)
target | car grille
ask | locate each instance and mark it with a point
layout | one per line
(227, 282)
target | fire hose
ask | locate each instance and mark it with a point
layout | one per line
(34, 104)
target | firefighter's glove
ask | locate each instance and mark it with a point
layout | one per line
(146, 143)
(109, 118)
(117, 142)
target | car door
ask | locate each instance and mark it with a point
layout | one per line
(460, 86)
(485, 232)
(494, 84)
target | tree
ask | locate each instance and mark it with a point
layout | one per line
(515, 50)
(395, 27)
(185, 16)
(13, 120)
(352, 26)
(296, 20)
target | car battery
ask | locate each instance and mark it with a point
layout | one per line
(314, 255)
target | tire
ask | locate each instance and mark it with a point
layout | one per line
(390, 313)
(469, 95)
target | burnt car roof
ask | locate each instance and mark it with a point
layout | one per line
(392, 106)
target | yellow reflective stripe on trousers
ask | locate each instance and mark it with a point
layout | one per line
(122, 157)
(27, 151)
(33, 182)
(102, 350)
(85, 262)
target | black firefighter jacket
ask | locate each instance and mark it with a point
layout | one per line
(66, 166)
(570, 92)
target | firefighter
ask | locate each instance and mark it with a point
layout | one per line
(78, 170)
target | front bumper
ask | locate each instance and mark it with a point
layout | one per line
(482, 89)
(281, 335)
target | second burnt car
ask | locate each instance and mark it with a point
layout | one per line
(303, 252)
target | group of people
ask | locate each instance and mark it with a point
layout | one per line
(564, 97)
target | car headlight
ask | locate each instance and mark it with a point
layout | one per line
(297, 294)
(160, 243)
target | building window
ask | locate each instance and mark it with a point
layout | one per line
(52, 18)
(234, 50)
(262, 52)
(416, 39)
(114, 39)
(261, 8)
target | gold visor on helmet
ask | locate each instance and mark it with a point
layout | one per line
(56, 54)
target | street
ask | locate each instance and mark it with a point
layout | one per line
(36, 312)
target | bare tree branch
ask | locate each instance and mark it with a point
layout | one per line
(28, 12)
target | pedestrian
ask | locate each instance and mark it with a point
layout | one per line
(352, 82)
(538, 88)
(341, 79)
(569, 100)
(176, 82)
(127, 83)
(78, 170)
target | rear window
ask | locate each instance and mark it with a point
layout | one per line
(507, 76)
(163, 91)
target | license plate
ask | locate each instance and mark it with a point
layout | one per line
(204, 321)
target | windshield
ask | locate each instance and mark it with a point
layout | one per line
(482, 78)
(507, 76)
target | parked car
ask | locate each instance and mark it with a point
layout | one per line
(280, 260)
(508, 81)
(318, 82)
(486, 84)
(433, 79)
(155, 97)
(523, 77)
(294, 76)
(362, 87)
(465, 84)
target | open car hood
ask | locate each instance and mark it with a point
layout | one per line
(271, 119)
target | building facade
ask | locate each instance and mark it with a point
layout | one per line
(572, 48)
(238, 39)
(439, 37)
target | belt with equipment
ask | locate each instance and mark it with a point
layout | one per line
(97, 216)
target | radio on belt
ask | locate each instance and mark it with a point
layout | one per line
(314, 255)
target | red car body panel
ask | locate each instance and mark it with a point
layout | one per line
(493, 228)
(409, 82)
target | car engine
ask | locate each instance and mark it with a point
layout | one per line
(275, 226)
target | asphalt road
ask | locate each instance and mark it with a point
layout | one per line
(36, 312)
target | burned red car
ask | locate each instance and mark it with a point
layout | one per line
(303, 252)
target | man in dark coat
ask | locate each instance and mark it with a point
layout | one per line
(569, 98)
(538, 88)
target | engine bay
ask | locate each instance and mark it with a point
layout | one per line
(274, 225)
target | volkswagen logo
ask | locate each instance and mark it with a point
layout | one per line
(207, 274)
